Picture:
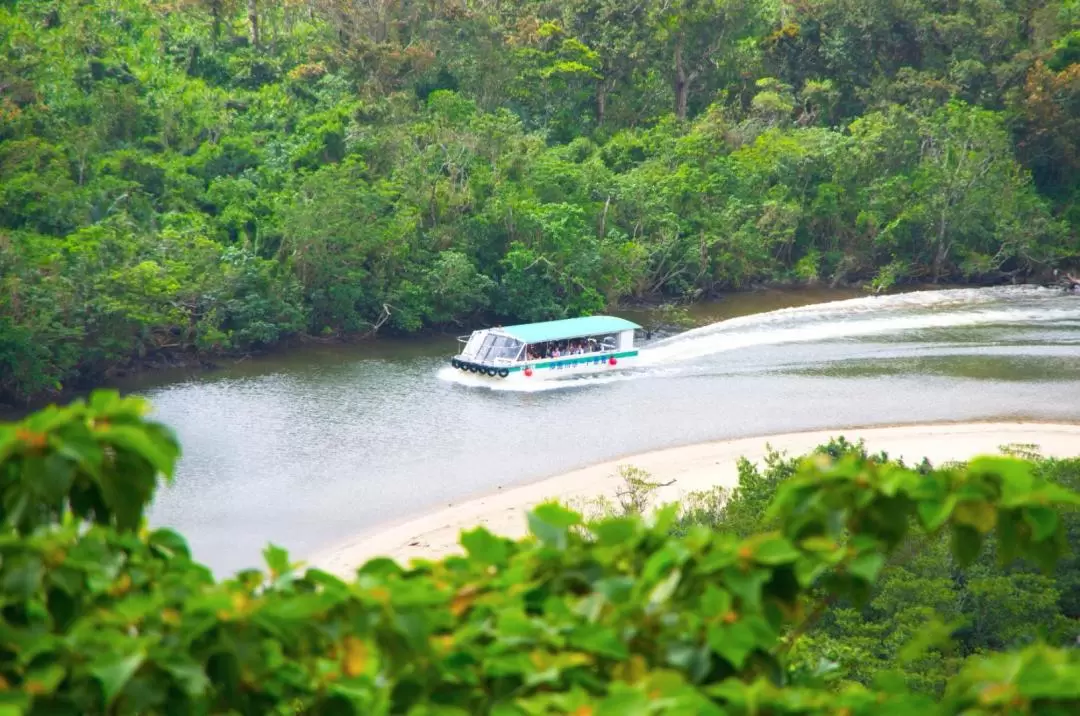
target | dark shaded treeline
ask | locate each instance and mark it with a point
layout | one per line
(203, 176)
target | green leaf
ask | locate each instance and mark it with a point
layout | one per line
(1043, 522)
(980, 515)
(1039, 679)
(126, 494)
(808, 570)
(1015, 476)
(549, 522)
(44, 680)
(598, 639)
(1008, 536)
(689, 657)
(300, 607)
(966, 543)
(747, 585)
(22, 577)
(437, 710)
(934, 513)
(624, 700)
(277, 559)
(169, 543)
(50, 476)
(380, 567)
(555, 514)
(159, 448)
(663, 591)
(617, 589)
(733, 642)
(1053, 495)
(663, 518)
(115, 674)
(819, 543)
(867, 565)
(78, 444)
(8, 443)
(773, 550)
(891, 681)
(715, 602)
(616, 531)
(485, 547)
(20, 706)
(108, 402)
(190, 676)
(934, 634)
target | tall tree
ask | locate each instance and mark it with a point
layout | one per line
(253, 21)
(703, 38)
(618, 32)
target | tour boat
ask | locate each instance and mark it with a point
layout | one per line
(550, 349)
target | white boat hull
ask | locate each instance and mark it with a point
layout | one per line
(553, 368)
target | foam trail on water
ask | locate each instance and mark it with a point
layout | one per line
(878, 307)
(858, 317)
(701, 346)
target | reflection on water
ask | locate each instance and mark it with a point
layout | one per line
(309, 448)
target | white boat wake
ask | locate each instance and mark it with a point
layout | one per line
(849, 319)
(452, 375)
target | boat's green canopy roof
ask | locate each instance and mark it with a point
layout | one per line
(568, 328)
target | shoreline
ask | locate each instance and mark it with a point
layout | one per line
(689, 468)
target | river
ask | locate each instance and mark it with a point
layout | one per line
(312, 447)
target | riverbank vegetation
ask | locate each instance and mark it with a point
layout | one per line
(203, 176)
(840, 584)
(983, 607)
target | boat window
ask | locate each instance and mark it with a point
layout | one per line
(500, 347)
(482, 353)
(476, 340)
(510, 348)
(573, 346)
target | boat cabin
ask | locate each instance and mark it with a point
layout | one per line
(575, 344)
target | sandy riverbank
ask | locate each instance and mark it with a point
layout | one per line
(692, 468)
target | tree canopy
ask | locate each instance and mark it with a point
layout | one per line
(195, 176)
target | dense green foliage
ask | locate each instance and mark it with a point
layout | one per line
(617, 616)
(984, 606)
(193, 176)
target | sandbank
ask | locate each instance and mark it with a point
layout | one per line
(688, 469)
